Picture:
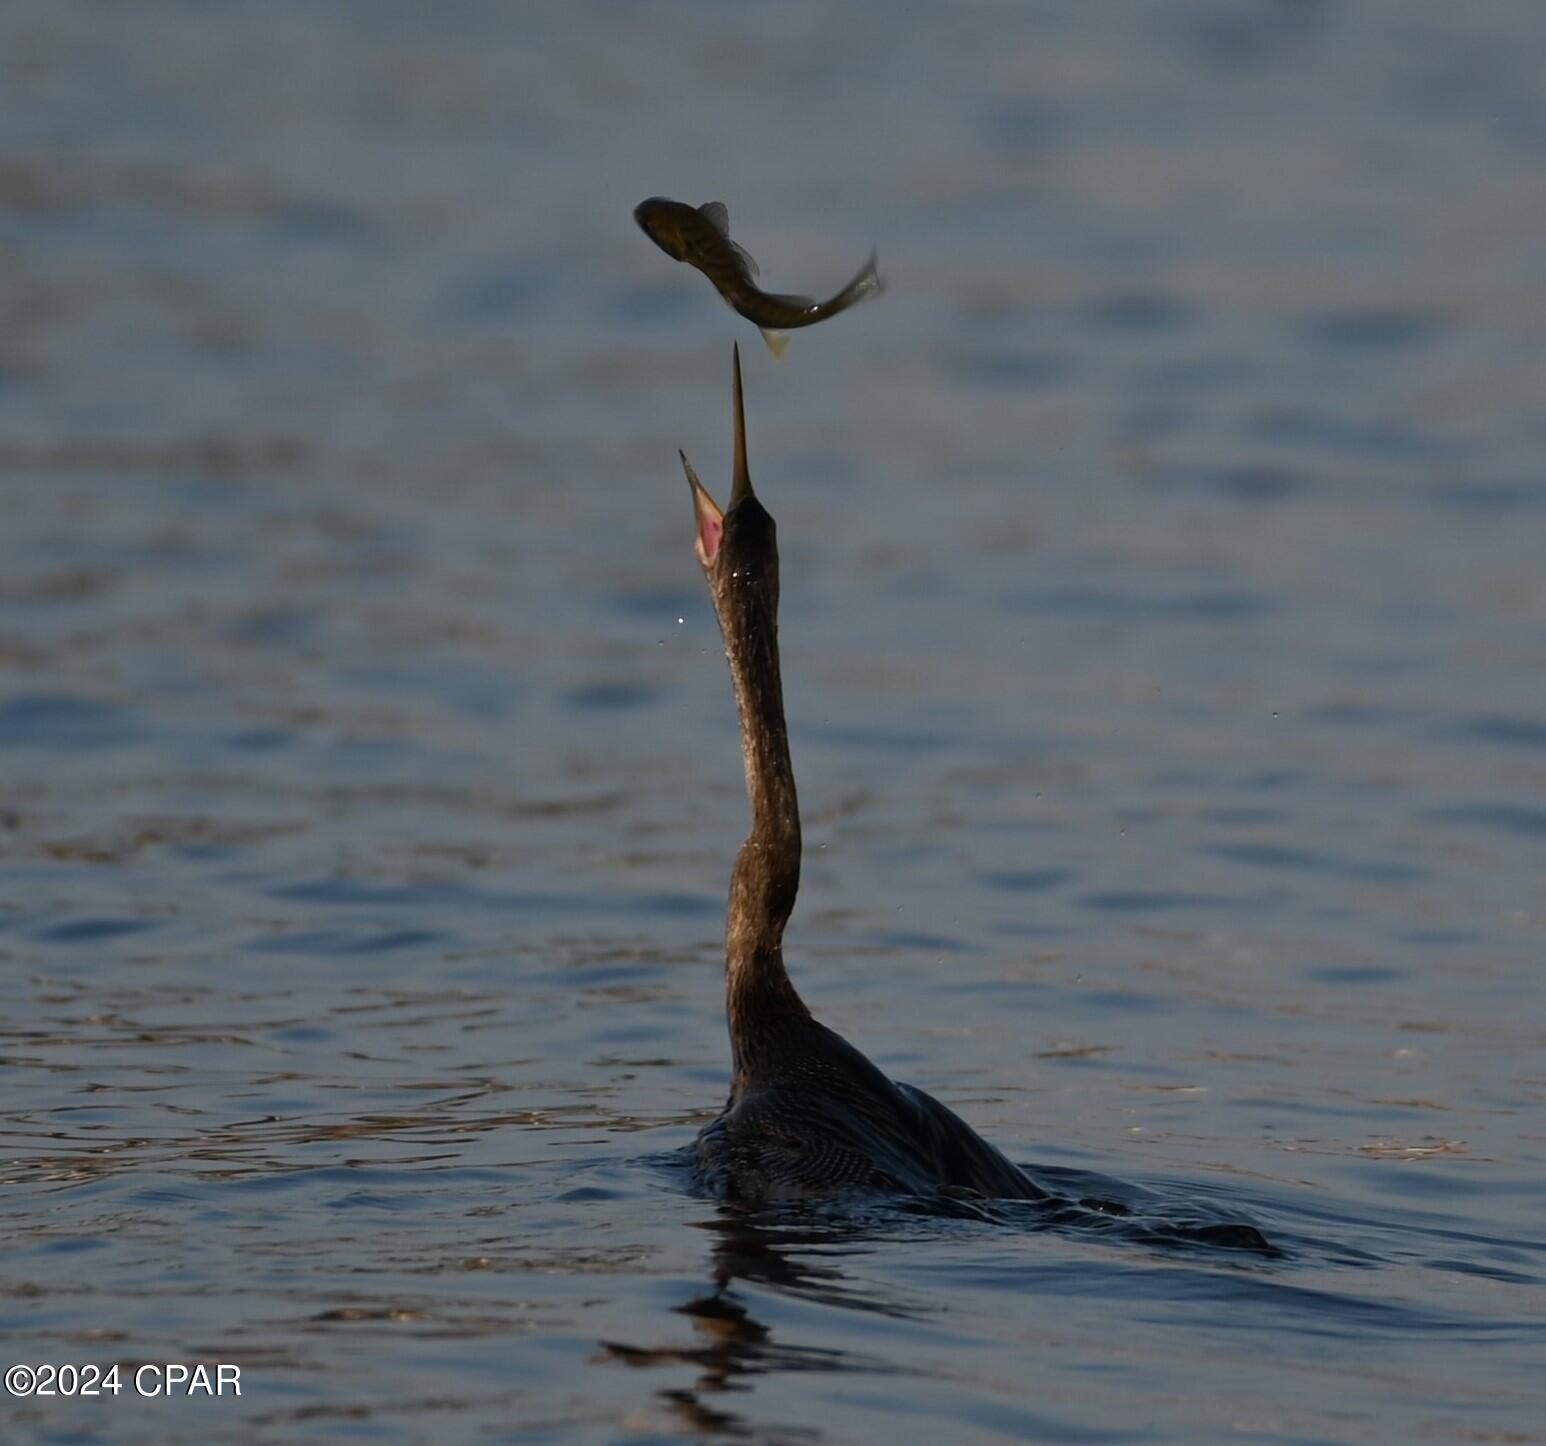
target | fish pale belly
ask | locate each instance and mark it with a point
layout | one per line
(786, 1142)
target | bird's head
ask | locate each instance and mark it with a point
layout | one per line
(737, 545)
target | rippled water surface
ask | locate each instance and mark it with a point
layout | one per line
(1165, 650)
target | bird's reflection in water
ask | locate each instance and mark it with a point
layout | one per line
(730, 1345)
(793, 1251)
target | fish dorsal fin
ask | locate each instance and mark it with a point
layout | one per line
(717, 214)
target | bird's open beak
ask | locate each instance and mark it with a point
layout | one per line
(741, 478)
(706, 513)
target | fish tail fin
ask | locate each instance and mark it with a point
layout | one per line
(866, 284)
(776, 340)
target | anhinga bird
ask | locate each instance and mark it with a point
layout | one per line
(808, 1115)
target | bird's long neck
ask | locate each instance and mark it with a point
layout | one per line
(759, 997)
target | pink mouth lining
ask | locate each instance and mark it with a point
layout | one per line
(710, 529)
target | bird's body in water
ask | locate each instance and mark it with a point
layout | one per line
(808, 1114)
(700, 236)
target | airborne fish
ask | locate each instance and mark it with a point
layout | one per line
(700, 236)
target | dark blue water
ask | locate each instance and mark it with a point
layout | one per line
(1165, 647)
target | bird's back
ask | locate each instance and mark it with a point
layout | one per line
(822, 1120)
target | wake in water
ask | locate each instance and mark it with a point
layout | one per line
(1074, 1202)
